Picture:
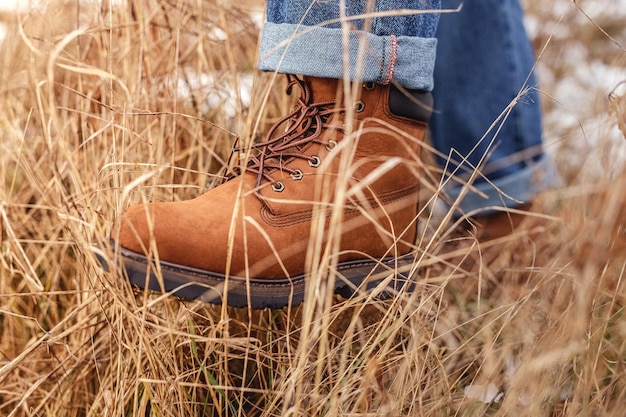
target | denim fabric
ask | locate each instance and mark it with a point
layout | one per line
(305, 37)
(484, 59)
(327, 13)
(413, 68)
(520, 186)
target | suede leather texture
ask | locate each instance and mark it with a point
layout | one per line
(359, 203)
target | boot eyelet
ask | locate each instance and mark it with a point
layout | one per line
(278, 186)
(331, 145)
(359, 106)
(315, 161)
(369, 86)
(297, 176)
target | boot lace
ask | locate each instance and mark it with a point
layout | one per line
(306, 124)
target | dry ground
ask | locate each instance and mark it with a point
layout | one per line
(101, 106)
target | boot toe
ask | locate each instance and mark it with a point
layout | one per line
(134, 231)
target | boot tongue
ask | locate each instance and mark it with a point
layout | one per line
(324, 89)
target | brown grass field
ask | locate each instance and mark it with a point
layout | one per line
(102, 105)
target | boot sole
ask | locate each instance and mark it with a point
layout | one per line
(215, 288)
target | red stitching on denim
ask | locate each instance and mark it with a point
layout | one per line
(393, 59)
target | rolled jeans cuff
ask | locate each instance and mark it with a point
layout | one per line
(509, 191)
(319, 52)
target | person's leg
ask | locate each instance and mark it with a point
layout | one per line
(254, 238)
(306, 37)
(484, 59)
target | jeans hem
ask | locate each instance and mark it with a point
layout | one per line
(318, 52)
(509, 191)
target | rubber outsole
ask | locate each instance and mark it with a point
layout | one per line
(256, 293)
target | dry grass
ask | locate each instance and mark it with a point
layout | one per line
(100, 107)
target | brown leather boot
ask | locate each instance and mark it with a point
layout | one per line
(251, 240)
(476, 243)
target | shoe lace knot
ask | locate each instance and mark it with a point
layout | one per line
(304, 125)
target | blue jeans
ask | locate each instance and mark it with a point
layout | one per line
(306, 37)
(484, 59)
